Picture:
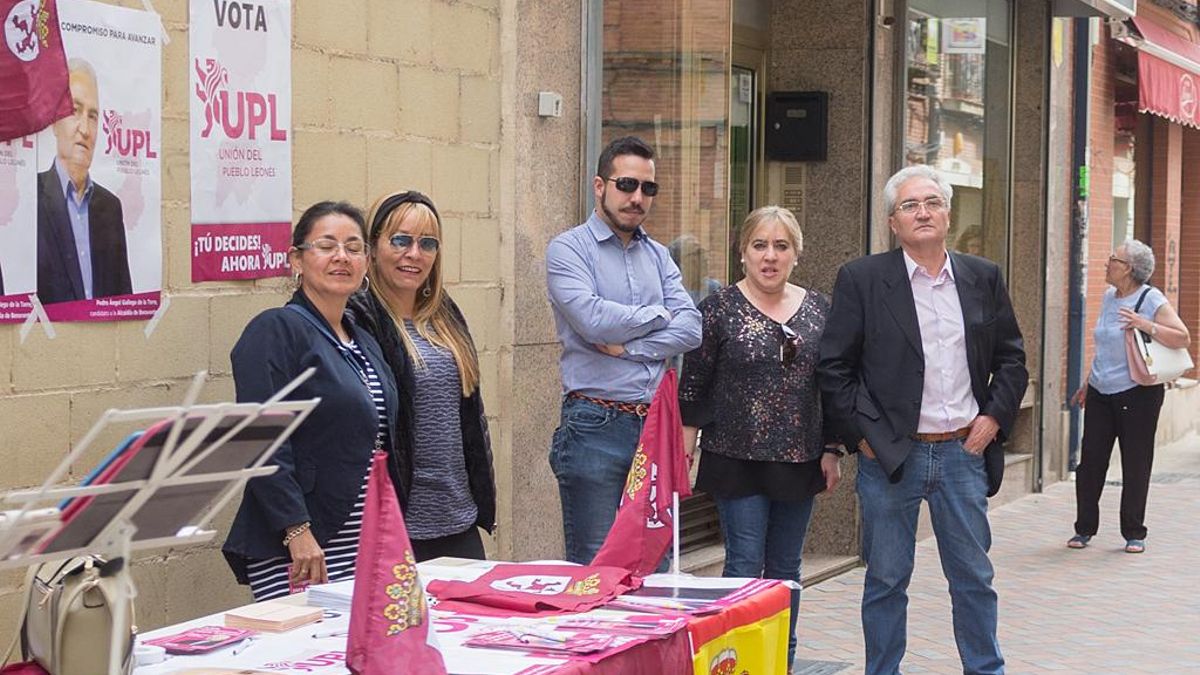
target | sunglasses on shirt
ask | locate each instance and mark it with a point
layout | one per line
(630, 185)
(402, 242)
(790, 345)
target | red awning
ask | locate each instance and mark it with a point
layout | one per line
(1168, 74)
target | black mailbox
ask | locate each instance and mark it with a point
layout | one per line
(797, 126)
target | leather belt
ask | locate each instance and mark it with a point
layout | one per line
(639, 409)
(943, 436)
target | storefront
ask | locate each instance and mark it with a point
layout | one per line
(711, 83)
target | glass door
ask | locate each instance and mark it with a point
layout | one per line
(743, 153)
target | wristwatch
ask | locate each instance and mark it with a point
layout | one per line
(834, 450)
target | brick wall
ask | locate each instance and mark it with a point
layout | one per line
(1165, 201)
(383, 99)
(1188, 305)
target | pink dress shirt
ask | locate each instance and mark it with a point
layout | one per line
(947, 403)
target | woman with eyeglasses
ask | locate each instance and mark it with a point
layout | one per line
(1118, 407)
(751, 387)
(444, 451)
(301, 525)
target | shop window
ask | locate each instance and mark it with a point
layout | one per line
(957, 102)
(661, 71)
(665, 73)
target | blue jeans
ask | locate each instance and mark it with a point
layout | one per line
(590, 455)
(954, 482)
(764, 538)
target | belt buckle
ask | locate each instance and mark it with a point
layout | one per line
(641, 409)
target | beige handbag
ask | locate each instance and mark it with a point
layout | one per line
(69, 616)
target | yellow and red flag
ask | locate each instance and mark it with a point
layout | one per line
(642, 529)
(389, 617)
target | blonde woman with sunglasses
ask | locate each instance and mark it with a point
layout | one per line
(444, 458)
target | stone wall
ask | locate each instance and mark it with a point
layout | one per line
(383, 99)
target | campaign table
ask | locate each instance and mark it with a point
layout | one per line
(747, 633)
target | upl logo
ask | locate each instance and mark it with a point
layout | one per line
(126, 142)
(240, 114)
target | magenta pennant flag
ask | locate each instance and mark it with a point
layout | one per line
(389, 618)
(33, 68)
(641, 532)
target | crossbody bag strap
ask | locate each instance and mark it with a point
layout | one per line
(321, 327)
(1136, 308)
(1144, 343)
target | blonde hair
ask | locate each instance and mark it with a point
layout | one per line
(433, 315)
(768, 214)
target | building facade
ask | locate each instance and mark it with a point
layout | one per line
(444, 97)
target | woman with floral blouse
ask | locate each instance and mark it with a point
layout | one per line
(751, 386)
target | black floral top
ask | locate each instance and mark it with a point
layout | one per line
(736, 387)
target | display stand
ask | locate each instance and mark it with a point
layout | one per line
(161, 491)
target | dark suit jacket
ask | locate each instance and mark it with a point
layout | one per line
(58, 276)
(872, 365)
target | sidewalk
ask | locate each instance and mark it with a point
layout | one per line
(1096, 610)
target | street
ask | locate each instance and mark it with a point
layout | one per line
(1096, 610)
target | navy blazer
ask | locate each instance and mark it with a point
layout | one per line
(58, 275)
(872, 368)
(321, 466)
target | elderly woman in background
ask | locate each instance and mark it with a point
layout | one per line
(301, 524)
(751, 386)
(1117, 407)
(442, 441)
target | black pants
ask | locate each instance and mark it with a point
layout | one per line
(1130, 416)
(466, 544)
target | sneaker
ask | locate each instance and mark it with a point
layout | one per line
(1135, 546)
(1079, 541)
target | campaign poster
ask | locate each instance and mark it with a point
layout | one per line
(240, 71)
(98, 184)
(18, 236)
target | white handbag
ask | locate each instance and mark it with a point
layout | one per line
(1163, 364)
(1151, 363)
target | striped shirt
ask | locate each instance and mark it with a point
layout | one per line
(269, 578)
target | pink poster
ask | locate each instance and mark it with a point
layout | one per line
(18, 234)
(240, 71)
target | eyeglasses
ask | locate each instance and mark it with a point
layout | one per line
(1114, 258)
(932, 205)
(790, 345)
(402, 242)
(630, 185)
(327, 247)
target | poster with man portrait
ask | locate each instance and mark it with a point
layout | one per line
(98, 185)
(240, 129)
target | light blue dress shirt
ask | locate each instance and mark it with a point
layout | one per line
(1110, 368)
(77, 210)
(603, 292)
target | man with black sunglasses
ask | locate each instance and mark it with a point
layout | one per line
(621, 312)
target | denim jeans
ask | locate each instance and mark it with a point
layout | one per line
(764, 538)
(590, 455)
(954, 482)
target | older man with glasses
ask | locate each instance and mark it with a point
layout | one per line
(621, 313)
(922, 370)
